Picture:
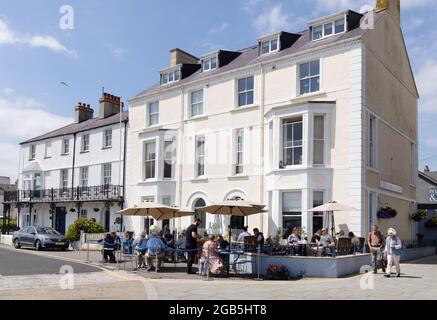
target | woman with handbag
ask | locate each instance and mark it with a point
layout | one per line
(393, 246)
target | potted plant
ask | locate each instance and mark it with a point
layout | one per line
(82, 225)
(387, 213)
(432, 223)
(277, 272)
(419, 215)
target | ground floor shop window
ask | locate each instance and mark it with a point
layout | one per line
(291, 212)
(318, 200)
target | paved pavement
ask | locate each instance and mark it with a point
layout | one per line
(418, 281)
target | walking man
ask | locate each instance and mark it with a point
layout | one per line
(191, 237)
(376, 243)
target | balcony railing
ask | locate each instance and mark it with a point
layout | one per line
(91, 193)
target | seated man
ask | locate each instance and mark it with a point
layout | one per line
(155, 251)
(294, 240)
(243, 235)
(327, 242)
(140, 246)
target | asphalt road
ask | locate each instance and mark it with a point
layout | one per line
(19, 263)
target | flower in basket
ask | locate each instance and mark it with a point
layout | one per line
(431, 223)
(419, 215)
(277, 272)
(387, 213)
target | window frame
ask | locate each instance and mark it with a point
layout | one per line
(291, 214)
(200, 157)
(208, 61)
(168, 161)
(64, 177)
(333, 23)
(176, 76)
(85, 142)
(48, 153)
(269, 41)
(32, 152)
(286, 122)
(246, 91)
(107, 138)
(65, 147)
(309, 77)
(84, 177)
(322, 140)
(372, 144)
(150, 114)
(151, 161)
(104, 174)
(239, 152)
(197, 103)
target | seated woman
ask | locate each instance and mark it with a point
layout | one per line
(294, 240)
(210, 259)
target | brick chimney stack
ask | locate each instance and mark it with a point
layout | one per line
(109, 105)
(83, 112)
(178, 56)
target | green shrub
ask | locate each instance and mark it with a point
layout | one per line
(12, 225)
(85, 225)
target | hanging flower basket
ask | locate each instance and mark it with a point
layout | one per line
(387, 213)
(431, 223)
(419, 215)
(277, 272)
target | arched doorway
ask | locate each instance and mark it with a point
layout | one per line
(199, 203)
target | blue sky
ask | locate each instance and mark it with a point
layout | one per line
(122, 45)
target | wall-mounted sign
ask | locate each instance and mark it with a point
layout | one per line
(391, 187)
(433, 195)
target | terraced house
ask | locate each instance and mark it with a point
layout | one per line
(296, 120)
(75, 171)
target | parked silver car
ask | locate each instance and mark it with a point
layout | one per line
(40, 238)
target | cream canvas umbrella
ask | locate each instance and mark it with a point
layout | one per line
(178, 213)
(330, 208)
(234, 207)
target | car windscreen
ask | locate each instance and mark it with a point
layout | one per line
(48, 231)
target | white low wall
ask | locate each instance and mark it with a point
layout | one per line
(6, 240)
(314, 267)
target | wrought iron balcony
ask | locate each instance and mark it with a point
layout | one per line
(91, 193)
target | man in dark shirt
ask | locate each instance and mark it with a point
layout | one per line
(259, 237)
(191, 237)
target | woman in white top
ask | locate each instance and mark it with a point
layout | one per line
(393, 246)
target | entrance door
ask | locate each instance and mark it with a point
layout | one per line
(107, 220)
(60, 219)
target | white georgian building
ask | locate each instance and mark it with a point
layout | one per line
(292, 122)
(75, 171)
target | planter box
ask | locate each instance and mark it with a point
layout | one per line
(6, 240)
(314, 267)
(417, 253)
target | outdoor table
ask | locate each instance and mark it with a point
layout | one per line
(228, 253)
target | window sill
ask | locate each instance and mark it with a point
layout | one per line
(296, 169)
(106, 148)
(374, 170)
(64, 154)
(239, 177)
(45, 158)
(147, 182)
(197, 118)
(83, 152)
(245, 108)
(200, 180)
(307, 96)
(152, 128)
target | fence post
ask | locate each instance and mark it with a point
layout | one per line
(257, 263)
(87, 248)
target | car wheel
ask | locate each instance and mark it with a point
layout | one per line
(17, 244)
(38, 245)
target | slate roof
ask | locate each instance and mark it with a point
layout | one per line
(80, 127)
(250, 56)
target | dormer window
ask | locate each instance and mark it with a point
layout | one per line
(269, 45)
(210, 63)
(329, 28)
(170, 76)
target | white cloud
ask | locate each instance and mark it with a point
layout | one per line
(333, 5)
(275, 19)
(251, 5)
(118, 52)
(426, 78)
(9, 37)
(220, 28)
(8, 91)
(22, 118)
(9, 158)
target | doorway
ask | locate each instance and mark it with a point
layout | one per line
(60, 219)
